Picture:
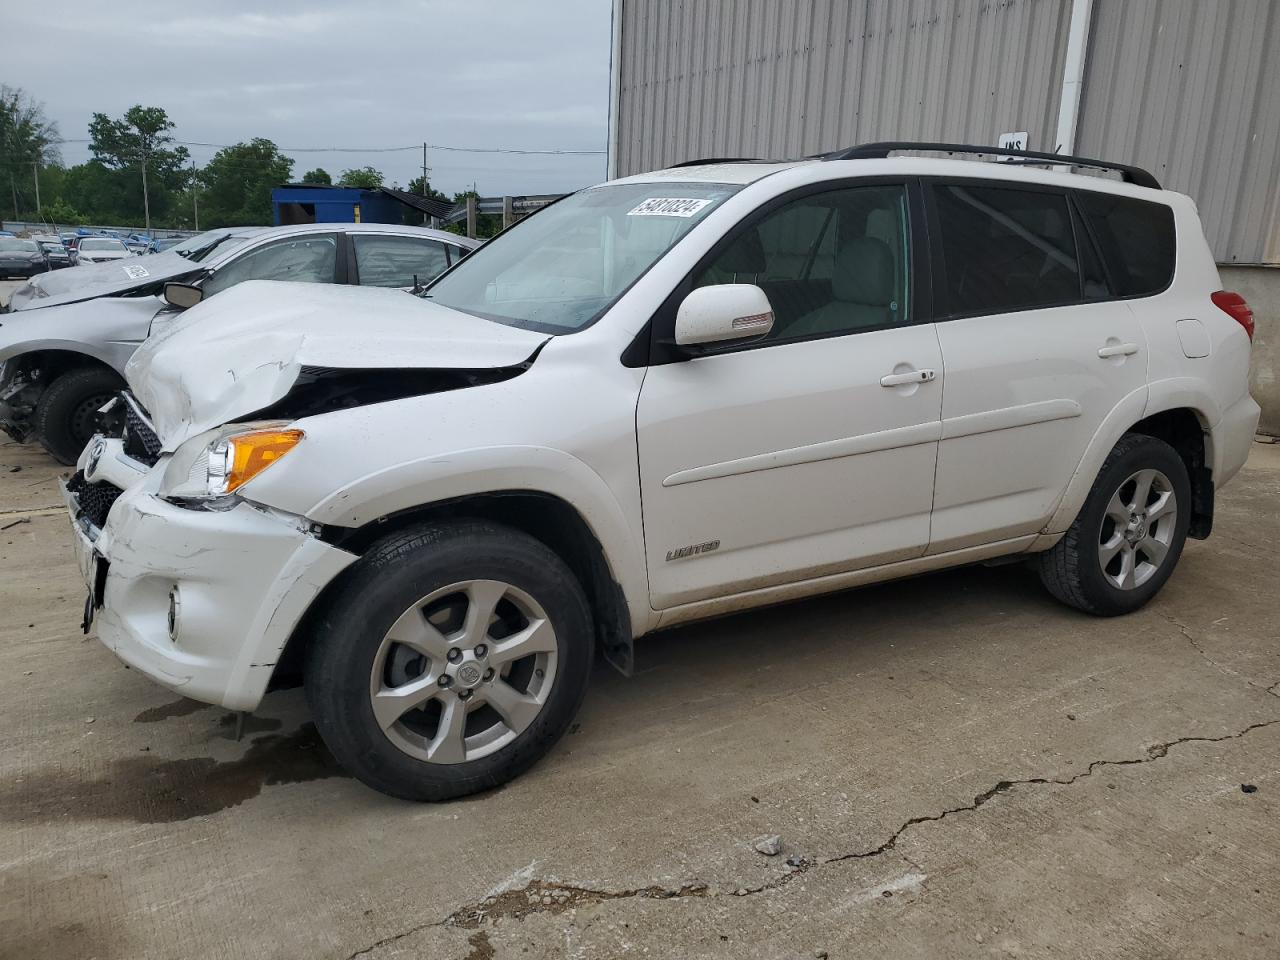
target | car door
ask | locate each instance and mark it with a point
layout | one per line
(397, 260)
(305, 258)
(810, 451)
(1036, 355)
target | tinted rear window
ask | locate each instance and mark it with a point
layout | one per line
(1137, 241)
(1006, 249)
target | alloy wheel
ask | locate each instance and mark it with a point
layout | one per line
(1137, 529)
(464, 671)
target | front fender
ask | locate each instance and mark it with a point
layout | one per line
(450, 476)
(107, 330)
(23, 348)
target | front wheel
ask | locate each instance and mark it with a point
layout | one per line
(66, 415)
(1129, 534)
(451, 659)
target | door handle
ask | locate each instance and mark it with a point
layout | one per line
(911, 376)
(1118, 350)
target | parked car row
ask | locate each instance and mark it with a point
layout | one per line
(21, 258)
(664, 398)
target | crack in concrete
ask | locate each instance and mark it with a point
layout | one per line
(1154, 752)
(1221, 668)
(363, 951)
(544, 896)
(537, 896)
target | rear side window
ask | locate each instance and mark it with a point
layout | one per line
(1006, 249)
(1137, 241)
(385, 260)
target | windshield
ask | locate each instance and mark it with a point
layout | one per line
(52, 246)
(12, 243)
(561, 269)
(92, 243)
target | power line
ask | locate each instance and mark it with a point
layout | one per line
(414, 146)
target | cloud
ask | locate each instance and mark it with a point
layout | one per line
(499, 73)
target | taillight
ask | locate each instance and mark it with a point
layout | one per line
(1234, 306)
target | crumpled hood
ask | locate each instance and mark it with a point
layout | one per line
(241, 351)
(89, 280)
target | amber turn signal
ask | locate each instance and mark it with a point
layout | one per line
(248, 454)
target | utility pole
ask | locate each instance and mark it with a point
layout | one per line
(425, 171)
(14, 188)
(35, 165)
(195, 190)
(146, 199)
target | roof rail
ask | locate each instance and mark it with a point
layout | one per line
(704, 161)
(869, 151)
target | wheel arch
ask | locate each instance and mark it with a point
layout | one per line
(56, 358)
(546, 517)
(1182, 418)
(1187, 430)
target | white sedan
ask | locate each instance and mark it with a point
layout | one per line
(101, 250)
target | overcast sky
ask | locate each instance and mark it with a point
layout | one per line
(314, 73)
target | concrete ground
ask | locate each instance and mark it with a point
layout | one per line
(956, 765)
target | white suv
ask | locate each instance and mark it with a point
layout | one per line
(668, 397)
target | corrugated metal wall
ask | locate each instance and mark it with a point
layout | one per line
(1188, 89)
(1191, 91)
(785, 78)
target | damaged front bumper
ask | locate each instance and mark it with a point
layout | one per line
(200, 601)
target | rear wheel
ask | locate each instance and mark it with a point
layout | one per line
(453, 657)
(66, 415)
(1129, 535)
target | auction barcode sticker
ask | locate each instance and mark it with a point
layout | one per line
(668, 207)
(135, 273)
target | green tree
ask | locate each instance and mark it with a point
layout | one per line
(62, 213)
(101, 194)
(28, 140)
(415, 186)
(318, 175)
(237, 183)
(366, 177)
(140, 144)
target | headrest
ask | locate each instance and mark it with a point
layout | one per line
(745, 254)
(864, 272)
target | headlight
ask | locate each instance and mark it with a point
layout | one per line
(218, 464)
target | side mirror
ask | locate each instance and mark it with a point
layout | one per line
(723, 312)
(182, 295)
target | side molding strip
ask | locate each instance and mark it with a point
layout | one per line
(894, 439)
(1006, 418)
(987, 421)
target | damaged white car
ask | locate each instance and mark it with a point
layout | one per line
(661, 399)
(67, 335)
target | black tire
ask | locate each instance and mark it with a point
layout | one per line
(1072, 570)
(66, 415)
(377, 590)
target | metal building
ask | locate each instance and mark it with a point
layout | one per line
(1188, 89)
